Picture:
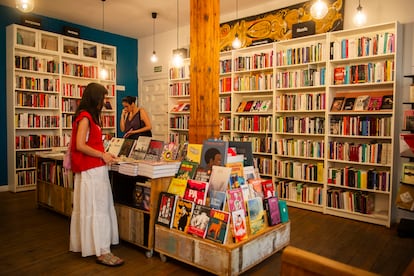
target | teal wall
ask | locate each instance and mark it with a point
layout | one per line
(127, 66)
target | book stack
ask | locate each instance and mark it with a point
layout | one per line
(127, 168)
(156, 169)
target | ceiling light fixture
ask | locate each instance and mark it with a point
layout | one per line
(360, 18)
(178, 59)
(25, 5)
(236, 44)
(103, 72)
(319, 9)
(154, 57)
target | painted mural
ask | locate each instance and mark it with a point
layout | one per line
(277, 25)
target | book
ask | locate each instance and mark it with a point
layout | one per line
(408, 119)
(126, 147)
(196, 191)
(236, 175)
(166, 205)
(268, 188)
(169, 151)
(214, 153)
(248, 106)
(241, 106)
(271, 206)
(249, 173)
(115, 145)
(182, 150)
(239, 226)
(140, 148)
(217, 199)
(154, 151)
(283, 209)
(199, 220)
(256, 215)
(256, 188)
(177, 186)
(375, 103)
(218, 226)
(202, 174)
(142, 195)
(337, 104)
(349, 104)
(387, 102)
(405, 197)
(407, 173)
(235, 200)
(194, 152)
(361, 103)
(244, 148)
(339, 75)
(182, 214)
(187, 169)
(219, 178)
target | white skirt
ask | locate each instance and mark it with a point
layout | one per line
(94, 225)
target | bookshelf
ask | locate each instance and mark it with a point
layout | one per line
(47, 73)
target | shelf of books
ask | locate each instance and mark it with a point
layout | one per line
(361, 140)
(225, 95)
(47, 74)
(223, 217)
(300, 102)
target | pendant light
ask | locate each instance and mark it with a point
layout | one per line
(154, 57)
(25, 5)
(236, 44)
(319, 9)
(103, 72)
(360, 18)
(178, 59)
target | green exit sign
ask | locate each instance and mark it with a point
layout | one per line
(157, 69)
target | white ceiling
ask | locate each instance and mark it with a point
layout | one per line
(132, 18)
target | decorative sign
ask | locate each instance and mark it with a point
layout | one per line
(157, 69)
(70, 31)
(31, 21)
(303, 29)
(278, 24)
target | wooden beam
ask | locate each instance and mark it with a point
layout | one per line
(204, 70)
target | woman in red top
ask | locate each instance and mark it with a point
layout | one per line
(94, 225)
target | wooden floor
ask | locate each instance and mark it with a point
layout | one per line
(35, 241)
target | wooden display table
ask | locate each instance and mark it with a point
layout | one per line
(228, 259)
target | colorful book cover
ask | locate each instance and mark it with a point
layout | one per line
(219, 178)
(154, 150)
(361, 103)
(202, 174)
(126, 147)
(387, 102)
(199, 220)
(182, 215)
(256, 188)
(256, 215)
(217, 199)
(187, 169)
(235, 200)
(218, 226)
(194, 152)
(239, 226)
(140, 148)
(166, 205)
(244, 148)
(169, 151)
(236, 176)
(283, 209)
(268, 188)
(249, 173)
(182, 151)
(177, 186)
(142, 195)
(196, 191)
(271, 206)
(337, 104)
(375, 103)
(214, 152)
(115, 145)
(349, 104)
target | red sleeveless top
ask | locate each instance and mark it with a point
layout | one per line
(80, 161)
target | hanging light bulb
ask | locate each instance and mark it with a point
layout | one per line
(319, 9)
(154, 57)
(236, 44)
(25, 5)
(360, 18)
(178, 59)
(103, 72)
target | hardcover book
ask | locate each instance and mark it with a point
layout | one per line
(387, 102)
(219, 178)
(337, 104)
(239, 226)
(256, 215)
(166, 205)
(271, 206)
(214, 153)
(196, 191)
(218, 226)
(177, 186)
(182, 214)
(217, 199)
(199, 221)
(187, 169)
(361, 103)
(154, 150)
(244, 148)
(349, 104)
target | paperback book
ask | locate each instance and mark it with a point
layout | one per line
(239, 226)
(244, 148)
(387, 102)
(169, 152)
(218, 226)
(256, 215)
(202, 174)
(271, 206)
(126, 147)
(349, 104)
(194, 152)
(235, 200)
(375, 103)
(337, 104)
(219, 178)
(140, 148)
(217, 199)
(361, 103)
(166, 209)
(142, 195)
(115, 145)
(187, 169)
(154, 150)
(268, 188)
(177, 186)
(182, 214)
(214, 152)
(199, 221)
(196, 191)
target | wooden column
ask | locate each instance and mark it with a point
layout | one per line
(204, 70)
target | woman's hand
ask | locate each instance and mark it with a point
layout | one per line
(128, 133)
(108, 157)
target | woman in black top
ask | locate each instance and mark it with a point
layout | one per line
(134, 120)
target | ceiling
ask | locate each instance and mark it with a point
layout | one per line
(132, 18)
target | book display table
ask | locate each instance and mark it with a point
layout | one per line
(227, 259)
